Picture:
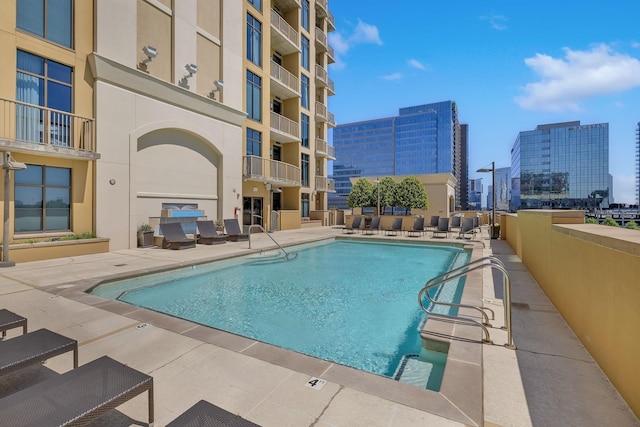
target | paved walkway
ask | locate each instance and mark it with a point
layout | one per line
(549, 380)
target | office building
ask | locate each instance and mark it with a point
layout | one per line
(287, 88)
(561, 166)
(503, 190)
(474, 194)
(424, 139)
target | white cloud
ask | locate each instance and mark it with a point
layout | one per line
(394, 76)
(497, 22)
(417, 64)
(565, 82)
(635, 45)
(363, 33)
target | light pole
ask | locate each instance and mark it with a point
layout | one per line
(8, 165)
(493, 193)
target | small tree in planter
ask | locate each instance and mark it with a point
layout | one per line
(145, 235)
(219, 225)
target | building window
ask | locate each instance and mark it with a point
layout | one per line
(304, 170)
(43, 83)
(42, 199)
(305, 14)
(51, 20)
(254, 96)
(305, 52)
(254, 142)
(254, 40)
(304, 205)
(304, 90)
(256, 3)
(304, 124)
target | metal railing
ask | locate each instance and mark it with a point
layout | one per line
(273, 171)
(285, 78)
(286, 254)
(463, 271)
(325, 184)
(284, 125)
(280, 24)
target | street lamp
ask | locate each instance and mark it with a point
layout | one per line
(493, 193)
(8, 165)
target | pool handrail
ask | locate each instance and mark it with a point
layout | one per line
(286, 254)
(459, 272)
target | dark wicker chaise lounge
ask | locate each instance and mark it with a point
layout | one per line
(374, 225)
(418, 227)
(396, 227)
(205, 414)
(174, 237)
(207, 234)
(34, 347)
(355, 225)
(77, 397)
(234, 234)
(10, 320)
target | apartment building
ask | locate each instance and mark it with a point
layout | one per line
(287, 88)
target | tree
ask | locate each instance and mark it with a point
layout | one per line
(388, 189)
(610, 222)
(360, 195)
(411, 194)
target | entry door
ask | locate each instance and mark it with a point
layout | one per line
(252, 206)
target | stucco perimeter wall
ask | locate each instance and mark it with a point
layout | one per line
(591, 274)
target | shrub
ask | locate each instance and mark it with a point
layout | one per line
(591, 221)
(632, 225)
(610, 222)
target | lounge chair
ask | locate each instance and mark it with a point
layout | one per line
(443, 227)
(174, 237)
(355, 225)
(396, 227)
(207, 234)
(456, 222)
(204, 413)
(417, 229)
(76, 397)
(467, 227)
(373, 225)
(34, 347)
(10, 320)
(234, 234)
(433, 223)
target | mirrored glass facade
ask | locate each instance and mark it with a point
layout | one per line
(561, 166)
(422, 139)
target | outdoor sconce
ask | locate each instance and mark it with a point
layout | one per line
(219, 85)
(151, 53)
(191, 69)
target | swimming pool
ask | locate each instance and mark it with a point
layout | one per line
(349, 302)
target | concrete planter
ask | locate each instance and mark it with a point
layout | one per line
(25, 252)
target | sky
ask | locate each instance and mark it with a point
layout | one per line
(509, 66)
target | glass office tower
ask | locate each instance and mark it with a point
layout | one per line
(422, 139)
(561, 166)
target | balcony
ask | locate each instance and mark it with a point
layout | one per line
(331, 22)
(270, 171)
(283, 129)
(331, 55)
(28, 128)
(284, 38)
(283, 84)
(321, 40)
(325, 184)
(286, 5)
(323, 149)
(323, 80)
(321, 8)
(323, 115)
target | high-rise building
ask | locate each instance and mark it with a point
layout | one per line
(463, 202)
(502, 191)
(561, 166)
(287, 88)
(474, 195)
(423, 139)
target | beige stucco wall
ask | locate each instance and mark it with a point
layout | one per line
(590, 273)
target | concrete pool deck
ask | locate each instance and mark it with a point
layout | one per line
(549, 380)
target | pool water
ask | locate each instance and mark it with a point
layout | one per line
(347, 302)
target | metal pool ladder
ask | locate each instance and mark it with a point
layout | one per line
(286, 254)
(456, 273)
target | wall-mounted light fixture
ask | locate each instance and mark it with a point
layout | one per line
(191, 69)
(8, 164)
(219, 84)
(151, 53)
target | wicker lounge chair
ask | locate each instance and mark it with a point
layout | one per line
(443, 227)
(34, 347)
(234, 234)
(374, 225)
(10, 320)
(396, 227)
(204, 413)
(207, 234)
(355, 225)
(76, 397)
(433, 223)
(418, 228)
(174, 237)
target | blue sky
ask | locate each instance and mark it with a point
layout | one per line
(509, 66)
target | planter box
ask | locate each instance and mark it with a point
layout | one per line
(145, 239)
(25, 252)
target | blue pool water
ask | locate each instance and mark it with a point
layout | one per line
(347, 302)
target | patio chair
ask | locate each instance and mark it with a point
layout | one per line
(174, 237)
(355, 225)
(204, 413)
(433, 223)
(234, 234)
(443, 227)
(207, 234)
(76, 397)
(417, 229)
(34, 347)
(467, 227)
(456, 222)
(10, 320)
(396, 227)
(374, 225)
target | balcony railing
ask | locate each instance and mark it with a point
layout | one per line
(270, 171)
(324, 115)
(321, 39)
(331, 21)
(31, 124)
(323, 80)
(321, 7)
(285, 38)
(323, 149)
(288, 81)
(325, 184)
(284, 129)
